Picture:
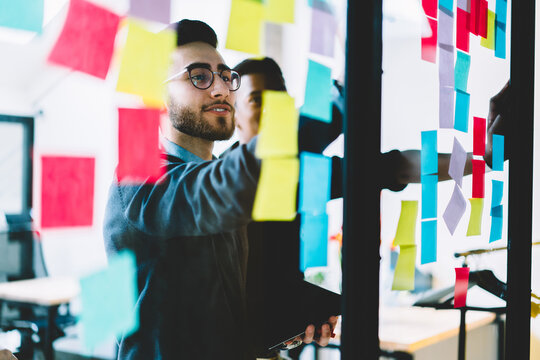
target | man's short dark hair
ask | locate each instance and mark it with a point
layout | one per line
(188, 31)
(266, 66)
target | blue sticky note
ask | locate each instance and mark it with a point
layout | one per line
(446, 4)
(315, 174)
(461, 121)
(497, 211)
(498, 153)
(108, 301)
(22, 14)
(429, 196)
(461, 73)
(313, 240)
(318, 97)
(429, 242)
(429, 156)
(496, 229)
(500, 11)
(500, 40)
(496, 193)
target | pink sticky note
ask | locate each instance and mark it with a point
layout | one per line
(429, 44)
(473, 18)
(479, 133)
(479, 170)
(483, 19)
(462, 284)
(67, 191)
(138, 145)
(430, 8)
(87, 40)
(462, 30)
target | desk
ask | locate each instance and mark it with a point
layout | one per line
(48, 293)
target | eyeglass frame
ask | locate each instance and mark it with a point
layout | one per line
(189, 69)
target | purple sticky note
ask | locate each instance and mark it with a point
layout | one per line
(323, 30)
(446, 66)
(446, 28)
(154, 10)
(455, 210)
(446, 107)
(457, 162)
(464, 5)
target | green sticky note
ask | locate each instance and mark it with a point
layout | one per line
(475, 221)
(404, 273)
(245, 26)
(22, 14)
(109, 301)
(318, 96)
(275, 199)
(489, 41)
(406, 228)
(279, 11)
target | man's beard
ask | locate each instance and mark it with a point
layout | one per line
(189, 122)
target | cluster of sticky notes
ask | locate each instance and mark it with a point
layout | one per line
(429, 179)
(108, 300)
(461, 287)
(405, 239)
(429, 43)
(22, 15)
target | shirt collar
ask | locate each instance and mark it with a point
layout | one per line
(178, 151)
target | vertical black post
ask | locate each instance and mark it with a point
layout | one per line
(520, 180)
(462, 338)
(361, 206)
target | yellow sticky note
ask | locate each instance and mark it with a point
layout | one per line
(145, 62)
(489, 42)
(278, 133)
(404, 272)
(406, 228)
(475, 221)
(279, 11)
(535, 309)
(276, 193)
(245, 26)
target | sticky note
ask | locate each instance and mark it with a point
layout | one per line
(430, 8)
(245, 26)
(447, 5)
(479, 169)
(279, 11)
(406, 228)
(454, 210)
(318, 95)
(496, 228)
(315, 175)
(428, 252)
(429, 196)
(446, 68)
(275, 198)
(461, 121)
(497, 153)
(489, 41)
(497, 211)
(479, 134)
(475, 220)
(145, 62)
(462, 30)
(473, 18)
(313, 240)
(461, 287)
(457, 162)
(321, 5)
(323, 31)
(501, 7)
(108, 299)
(429, 156)
(404, 272)
(429, 44)
(278, 133)
(500, 40)
(482, 19)
(153, 10)
(535, 310)
(86, 42)
(446, 28)
(464, 5)
(463, 63)
(496, 192)
(67, 191)
(22, 15)
(446, 107)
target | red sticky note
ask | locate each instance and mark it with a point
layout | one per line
(138, 146)
(67, 191)
(478, 170)
(483, 19)
(462, 30)
(460, 289)
(479, 133)
(430, 8)
(86, 42)
(429, 44)
(473, 18)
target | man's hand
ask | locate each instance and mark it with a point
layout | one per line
(322, 334)
(497, 121)
(7, 355)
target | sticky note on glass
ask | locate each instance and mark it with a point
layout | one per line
(475, 220)
(430, 8)
(315, 174)
(454, 210)
(22, 15)
(496, 226)
(145, 63)
(461, 287)
(278, 134)
(429, 156)
(489, 41)
(279, 11)
(318, 96)
(496, 192)
(483, 19)
(404, 272)
(497, 153)
(446, 28)
(447, 5)
(406, 229)
(67, 191)
(479, 134)
(463, 64)
(153, 10)
(500, 40)
(461, 121)
(275, 198)
(429, 196)
(473, 18)
(446, 67)
(457, 162)
(497, 211)
(245, 24)
(313, 240)
(479, 170)
(501, 7)
(429, 44)
(86, 42)
(462, 30)
(428, 252)
(323, 31)
(109, 300)
(446, 106)
(464, 5)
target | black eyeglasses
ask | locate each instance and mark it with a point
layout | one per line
(202, 78)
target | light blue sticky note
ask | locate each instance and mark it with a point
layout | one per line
(500, 40)
(429, 242)
(497, 153)
(315, 174)
(496, 229)
(318, 98)
(429, 155)
(22, 14)
(446, 4)
(313, 240)
(108, 301)
(461, 121)
(429, 196)
(500, 11)
(496, 193)
(461, 73)
(497, 211)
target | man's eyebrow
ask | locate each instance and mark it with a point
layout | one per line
(255, 93)
(198, 65)
(222, 67)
